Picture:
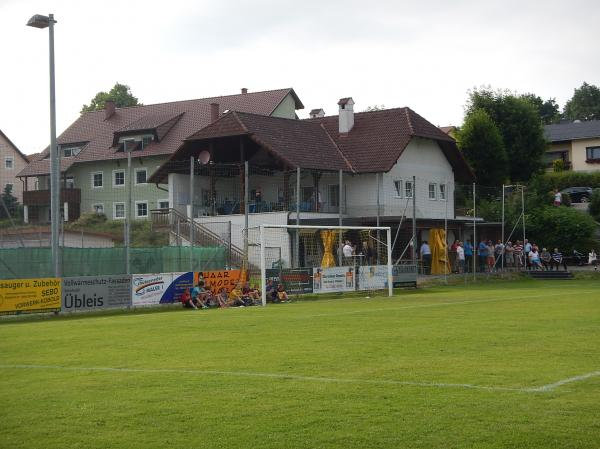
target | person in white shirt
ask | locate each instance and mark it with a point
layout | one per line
(460, 256)
(425, 253)
(557, 198)
(347, 252)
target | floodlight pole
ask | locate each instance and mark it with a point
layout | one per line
(128, 212)
(191, 213)
(390, 275)
(523, 211)
(246, 211)
(475, 246)
(40, 21)
(297, 238)
(340, 197)
(414, 222)
(502, 249)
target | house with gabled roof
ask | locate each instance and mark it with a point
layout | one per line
(386, 159)
(12, 161)
(576, 144)
(94, 152)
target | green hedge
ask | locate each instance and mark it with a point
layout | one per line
(548, 182)
(561, 227)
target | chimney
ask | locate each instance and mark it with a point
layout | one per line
(244, 90)
(317, 113)
(214, 112)
(346, 115)
(109, 109)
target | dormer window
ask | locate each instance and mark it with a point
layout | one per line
(135, 143)
(70, 150)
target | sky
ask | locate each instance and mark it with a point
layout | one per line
(421, 54)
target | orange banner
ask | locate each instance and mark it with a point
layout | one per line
(216, 280)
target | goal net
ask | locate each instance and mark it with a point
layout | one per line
(319, 259)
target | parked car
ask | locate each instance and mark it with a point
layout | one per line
(578, 194)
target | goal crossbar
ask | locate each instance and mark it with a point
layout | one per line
(263, 266)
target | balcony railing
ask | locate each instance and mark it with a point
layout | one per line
(42, 197)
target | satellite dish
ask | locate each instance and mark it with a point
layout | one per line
(204, 157)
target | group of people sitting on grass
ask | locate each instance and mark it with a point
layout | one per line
(200, 297)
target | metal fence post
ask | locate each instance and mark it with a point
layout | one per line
(191, 213)
(297, 237)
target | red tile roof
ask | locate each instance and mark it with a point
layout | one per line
(374, 144)
(98, 134)
(378, 138)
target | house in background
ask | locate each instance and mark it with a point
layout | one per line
(388, 157)
(576, 143)
(12, 161)
(94, 152)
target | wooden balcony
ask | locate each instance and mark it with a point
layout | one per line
(42, 197)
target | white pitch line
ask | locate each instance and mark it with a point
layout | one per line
(543, 388)
(568, 380)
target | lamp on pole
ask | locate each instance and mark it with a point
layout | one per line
(40, 21)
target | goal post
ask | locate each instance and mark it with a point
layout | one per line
(314, 256)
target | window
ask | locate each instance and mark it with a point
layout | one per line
(98, 208)
(9, 163)
(118, 178)
(307, 194)
(432, 191)
(398, 187)
(70, 151)
(118, 210)
(592, 154)
(97, 180)
(443, 192)
(140, 176)
(146, 140)
(163, 204)
(141, 209)
(70, 182)
(408, 189)
(334, 195)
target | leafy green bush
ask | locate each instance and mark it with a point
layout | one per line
(549, 182)
(594, 209)
(558, 165)
(560, 227)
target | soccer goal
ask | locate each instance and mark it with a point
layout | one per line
(319, 259)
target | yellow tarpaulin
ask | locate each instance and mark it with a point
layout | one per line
(439, 252)
(328, 238)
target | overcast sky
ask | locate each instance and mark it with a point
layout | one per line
(422, 54)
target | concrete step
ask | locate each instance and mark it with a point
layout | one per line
(548, 275)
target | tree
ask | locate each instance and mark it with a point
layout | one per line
(120, 94)
(481, 143)
(9, 203)
(375, 107)
(548, 110)
(519, 124)
(584, 104)
(560, 227)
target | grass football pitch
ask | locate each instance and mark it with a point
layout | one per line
(484, 366)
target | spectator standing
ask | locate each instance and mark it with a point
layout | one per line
(557, 260)
(483, 252)
(499, 252)
(453, 257)
(460, 258)
(519, 255)
(509, 255)
(491, 260)
(347, 251)
(526, 251)
(557, 198)
(425, 253)
(468, 248)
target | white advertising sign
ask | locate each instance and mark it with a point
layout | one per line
(148, 289)
(334, 279)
